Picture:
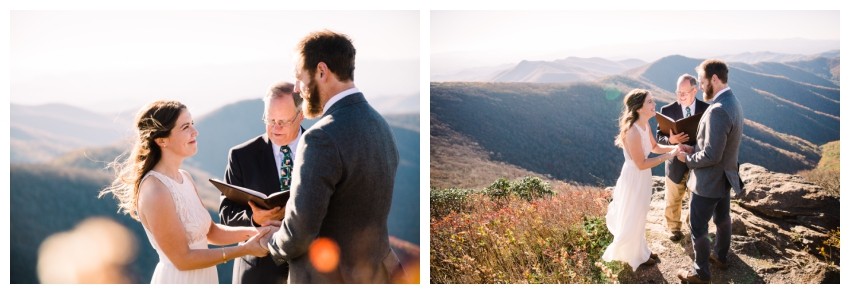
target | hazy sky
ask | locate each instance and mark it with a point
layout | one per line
(510, 36)
(112, 60)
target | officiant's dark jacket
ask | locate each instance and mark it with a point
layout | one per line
(342, 190)
(252, 165)
(674, 168)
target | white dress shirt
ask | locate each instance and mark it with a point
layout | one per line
(278, 156)
(337, 97)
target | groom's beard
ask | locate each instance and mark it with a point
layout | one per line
(314, 103)
(708, 94)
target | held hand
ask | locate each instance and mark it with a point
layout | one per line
(671, 154)
(275, 223)
(681, 156)
(679, 138)
(267, 230)
(686, 148)
(262, 216)
(256, 246)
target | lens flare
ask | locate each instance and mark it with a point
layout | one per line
(324, 255)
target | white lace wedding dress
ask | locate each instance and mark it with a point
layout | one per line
(626, 218)
(196, 221)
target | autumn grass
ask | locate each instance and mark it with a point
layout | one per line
(557, 239)
(828, 172)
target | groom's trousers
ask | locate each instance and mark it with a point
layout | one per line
(702, 210)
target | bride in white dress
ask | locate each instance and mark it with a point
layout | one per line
(151, 187)
(626, 218)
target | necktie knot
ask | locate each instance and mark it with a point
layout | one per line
(687, 112)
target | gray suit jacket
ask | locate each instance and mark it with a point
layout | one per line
(714, 163)
(673, 168)
(342, 189)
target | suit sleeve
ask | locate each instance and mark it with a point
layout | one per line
(231, 213)
(318, 169)
(717, 131)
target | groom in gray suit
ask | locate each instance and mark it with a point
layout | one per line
(334, 229)
(714, 170)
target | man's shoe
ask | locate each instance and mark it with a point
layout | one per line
(719, 264)
(677, 235)
(654, 256)
(688, 278)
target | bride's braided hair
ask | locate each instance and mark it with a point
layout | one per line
(632, 102)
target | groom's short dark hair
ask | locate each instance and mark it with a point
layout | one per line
(334, 49)
(713, 67)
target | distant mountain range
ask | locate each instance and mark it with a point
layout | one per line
(569, 69)
(40, 133)
(572, 69)
(566, 130)
(767, 56)
(64, 183)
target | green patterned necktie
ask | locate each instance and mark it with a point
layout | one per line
(285, 168)
(687, 112)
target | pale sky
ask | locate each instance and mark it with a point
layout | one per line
(113, 60)
(495, 37)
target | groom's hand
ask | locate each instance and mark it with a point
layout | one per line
(686, 148)
(681, 156)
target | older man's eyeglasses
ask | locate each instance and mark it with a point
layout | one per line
(279, 122)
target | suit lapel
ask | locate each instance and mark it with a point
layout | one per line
(678, 111)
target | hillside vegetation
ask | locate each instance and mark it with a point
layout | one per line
(566, 131)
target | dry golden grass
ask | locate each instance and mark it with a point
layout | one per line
(551, 240)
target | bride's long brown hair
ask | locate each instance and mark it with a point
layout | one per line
(631, 103)
(153, 121)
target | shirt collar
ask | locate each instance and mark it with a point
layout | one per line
(338, 97)
(719, 93)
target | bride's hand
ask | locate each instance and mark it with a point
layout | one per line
(673, 153)
(255, 245)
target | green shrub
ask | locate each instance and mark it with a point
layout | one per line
(446, 201)
(499, 190)
(530, 188)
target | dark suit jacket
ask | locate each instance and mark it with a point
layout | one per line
(674, 168)
(714, 163)
(342, 190)
(251, 165)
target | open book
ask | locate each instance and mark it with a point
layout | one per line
(242, 195)
(688, 125)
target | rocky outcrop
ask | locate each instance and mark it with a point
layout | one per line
(779, 228)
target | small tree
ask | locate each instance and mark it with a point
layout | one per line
(530, 188)
(446, 201)
(499, 190)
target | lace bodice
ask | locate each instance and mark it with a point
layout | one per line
(194, 217)
(644, 142)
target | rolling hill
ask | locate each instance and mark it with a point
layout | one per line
(40, 133)
(567, 130)
(570, 69)
(65, 196)
(781, 103)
